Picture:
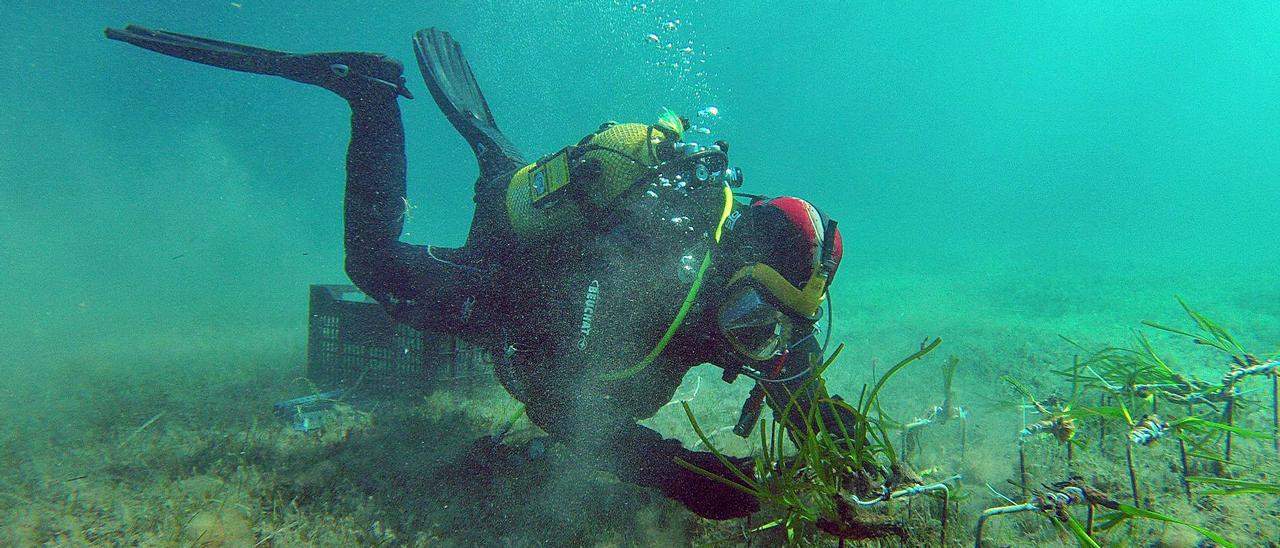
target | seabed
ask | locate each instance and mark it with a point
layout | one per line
(185, 449)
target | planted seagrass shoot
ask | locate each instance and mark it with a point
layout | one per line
(1139, 377)
(935, 415)
(1054, 501)
(1242, 365)
(1149, 429)
(1058, 422)
(824, 468)
(1228, 487)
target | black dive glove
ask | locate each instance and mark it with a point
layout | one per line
(705, 497)
(641, 456)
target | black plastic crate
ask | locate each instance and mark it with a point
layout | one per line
(352, 341)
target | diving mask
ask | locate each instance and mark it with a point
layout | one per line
(763, 309)
(754, 327)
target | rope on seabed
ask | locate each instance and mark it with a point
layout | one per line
(1055, 500)
(923, 421)
(999, 494)
(696, 387)
(711, 434)
(1237, 373)
(908, 492)
(1147, 431)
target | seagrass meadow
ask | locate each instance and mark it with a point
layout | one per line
(1056, 322)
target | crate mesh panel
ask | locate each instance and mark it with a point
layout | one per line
(352, 339)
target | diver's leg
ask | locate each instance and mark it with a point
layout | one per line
(349, 74)
(415, 285)
(453, 85)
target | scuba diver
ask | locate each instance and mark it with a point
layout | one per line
(598, 274)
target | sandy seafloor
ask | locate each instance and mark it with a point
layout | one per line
(1007, 177)
(216, 468)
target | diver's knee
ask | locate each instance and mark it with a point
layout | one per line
(363, 271)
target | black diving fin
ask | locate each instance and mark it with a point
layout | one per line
(453, 85)
(353, 75)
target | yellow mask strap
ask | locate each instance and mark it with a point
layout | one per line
(806, 302)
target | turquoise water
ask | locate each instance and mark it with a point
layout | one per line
(1002, 173)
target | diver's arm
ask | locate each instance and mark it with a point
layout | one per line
(642, 456)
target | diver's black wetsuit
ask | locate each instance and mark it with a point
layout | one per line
(556, 313)
(427, 286)
(515, 300)
(526, 303)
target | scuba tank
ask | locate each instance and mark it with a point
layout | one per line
(579, 184)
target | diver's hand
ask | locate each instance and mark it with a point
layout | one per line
(712, 499)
